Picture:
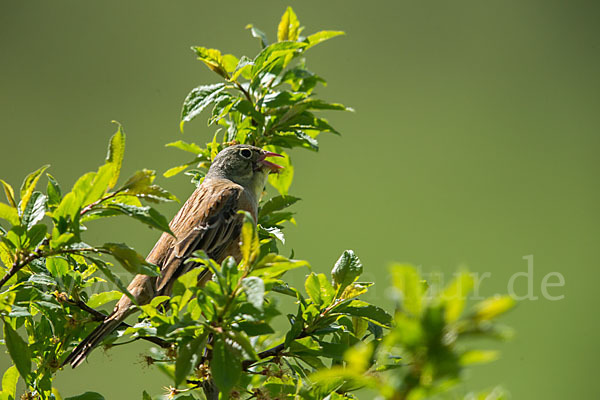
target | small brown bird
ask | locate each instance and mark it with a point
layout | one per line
(207, 221)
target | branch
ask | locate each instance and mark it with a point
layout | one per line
(95, 203)
(38, 253)
(272, 352)
(17, 265)
(100, 316)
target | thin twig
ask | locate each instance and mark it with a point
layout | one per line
(100, 316)
(38, 253)
(272, 352)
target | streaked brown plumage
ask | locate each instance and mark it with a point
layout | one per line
(207, 221)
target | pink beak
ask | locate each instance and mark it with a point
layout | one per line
(272, 166)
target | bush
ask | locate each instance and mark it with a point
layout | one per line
(217, 341)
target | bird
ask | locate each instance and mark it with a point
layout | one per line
(208, 220)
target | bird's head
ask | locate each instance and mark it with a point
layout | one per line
(245, 165)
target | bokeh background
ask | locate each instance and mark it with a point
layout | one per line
(475, 142)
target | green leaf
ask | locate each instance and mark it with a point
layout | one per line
(297, 326)
(146, 396)
(130, 259)
(322, 36)
(35, 235)
(289, 26)
(57, 266)
(276, 203)
(189, 147)
(10, 193)
(198, 99)
(18, 350)
(9, 383)
(61, 240)
(455, 295)
(406, 280)
(255, 291)
(140, 185)
(316, 104)
(93, 186)
(53, 191)
(147, 215)
(249, 238)
(87, 396)
(28, 186)
(244, 68)
(354, 290)
(175, 170)
(139, 181)
(367, 311)
(215, 60)
(35, 210)
(116, 152)
(188, 355)
(273, 53)
(346, 270)
(9, 213)
(491, 308)
(69, 207)
(313, 288)
(478, 357)
(274, 265)
(293, 139)
(99, 299)
(283, 179)
(226, 366)
(257, 33)
(243, 340)
(104, 267)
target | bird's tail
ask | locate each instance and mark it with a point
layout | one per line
(79, 354)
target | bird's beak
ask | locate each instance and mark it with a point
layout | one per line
(271, 166)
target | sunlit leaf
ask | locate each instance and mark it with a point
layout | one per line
(53, 191)
(99, 299)
(257, 33)
(322, 36)
(10, 193)
(116, 152)
(9, 213)
(189, 147)
(28, 186)
(455, 295)
(408, 284)
(254, 288)
(35, 210)
(478, 357)
(249, 238)
(9, 383)
(244, 68)
(346, 269)
(57, 266)
(289, 26)
(198, 99)
(491, 308)
(283, 179)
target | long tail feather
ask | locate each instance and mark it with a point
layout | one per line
(79, 354)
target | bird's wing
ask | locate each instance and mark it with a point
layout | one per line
(208, 221)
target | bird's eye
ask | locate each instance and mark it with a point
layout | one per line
(246, 153)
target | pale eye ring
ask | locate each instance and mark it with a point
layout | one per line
(246, 153)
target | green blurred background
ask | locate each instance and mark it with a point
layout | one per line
(475, 142)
